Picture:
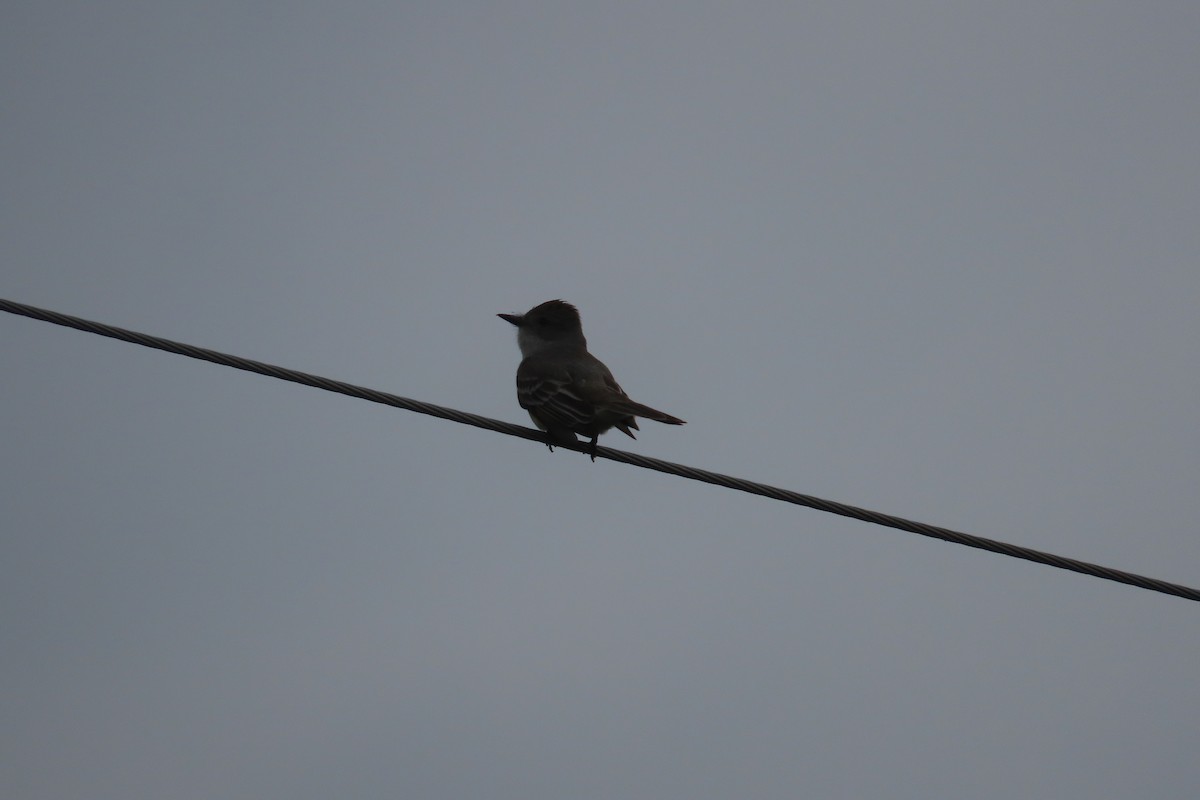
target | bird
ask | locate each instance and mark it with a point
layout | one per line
(565, 389)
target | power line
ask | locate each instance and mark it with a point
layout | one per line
(621, 456)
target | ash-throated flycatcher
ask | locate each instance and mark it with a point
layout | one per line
(566, 389)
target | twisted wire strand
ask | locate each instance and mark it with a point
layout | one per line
(621, 456)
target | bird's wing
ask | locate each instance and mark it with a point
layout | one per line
(577, 395)
(554, 395)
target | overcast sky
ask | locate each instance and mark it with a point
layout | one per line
(934, 259)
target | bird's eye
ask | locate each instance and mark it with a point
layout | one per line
(543, 321)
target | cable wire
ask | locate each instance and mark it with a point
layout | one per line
(622, 456)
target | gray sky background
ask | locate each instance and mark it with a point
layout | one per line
(934, 259)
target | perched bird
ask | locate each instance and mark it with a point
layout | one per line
(566, 389)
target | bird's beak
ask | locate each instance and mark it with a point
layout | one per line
(515, 319)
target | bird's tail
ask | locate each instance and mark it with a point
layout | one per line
(646, 412)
